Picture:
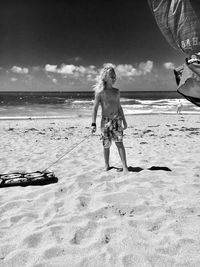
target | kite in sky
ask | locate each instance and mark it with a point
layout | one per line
(179, 21)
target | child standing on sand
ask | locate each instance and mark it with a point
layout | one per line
(112, 115)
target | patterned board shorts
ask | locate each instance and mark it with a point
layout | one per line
(111, 129)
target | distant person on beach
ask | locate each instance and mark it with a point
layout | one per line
(179, 107)
(112, 114)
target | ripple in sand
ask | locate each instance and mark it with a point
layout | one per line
(18, 258)
(97, 260)
(160, 260)
(26, 217)
(131, 260)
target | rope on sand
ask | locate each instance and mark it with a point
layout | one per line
(37, 177)
(67, 152)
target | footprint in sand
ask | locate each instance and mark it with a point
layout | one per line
(5, 250)
(106, 178)
(106, 239)
(111, 211)
(57, 233)
(32, 241)
(101, 213)
(59, 205)
(154, 228)
(84, 201)
(85, 185)
(61, 191)
(107, 235)
(83, 233)
(53, 252)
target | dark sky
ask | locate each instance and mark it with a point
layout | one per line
(81, 32)
(55, 31)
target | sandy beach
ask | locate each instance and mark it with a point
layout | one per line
(148, 217)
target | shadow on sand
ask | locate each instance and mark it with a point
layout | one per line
(139, 169)
(130, 169)
(158, 168)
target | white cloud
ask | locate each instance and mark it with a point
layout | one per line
(135, 76)
(130, 71)
(91, 70)
(50, 68)
(19, 70)
(146, 67)
(169, 65)
(66, 69)
(89, 73)
(81, 69)
(126, 70)
(72, 70)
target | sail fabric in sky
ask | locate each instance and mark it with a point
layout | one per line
(179, 21)
(189, 83)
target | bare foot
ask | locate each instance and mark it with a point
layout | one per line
(125, 170)
(107, 168)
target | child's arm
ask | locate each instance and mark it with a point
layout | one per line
(121, 113)
(94, 111)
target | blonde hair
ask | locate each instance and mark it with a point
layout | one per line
(101, 78)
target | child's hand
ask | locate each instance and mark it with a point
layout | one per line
(93, 129)
(125, 125)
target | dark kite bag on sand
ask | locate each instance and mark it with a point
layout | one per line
(26, 179)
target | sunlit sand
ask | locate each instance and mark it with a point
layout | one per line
(148, 217)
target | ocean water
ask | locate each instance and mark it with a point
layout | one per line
(25, 105)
